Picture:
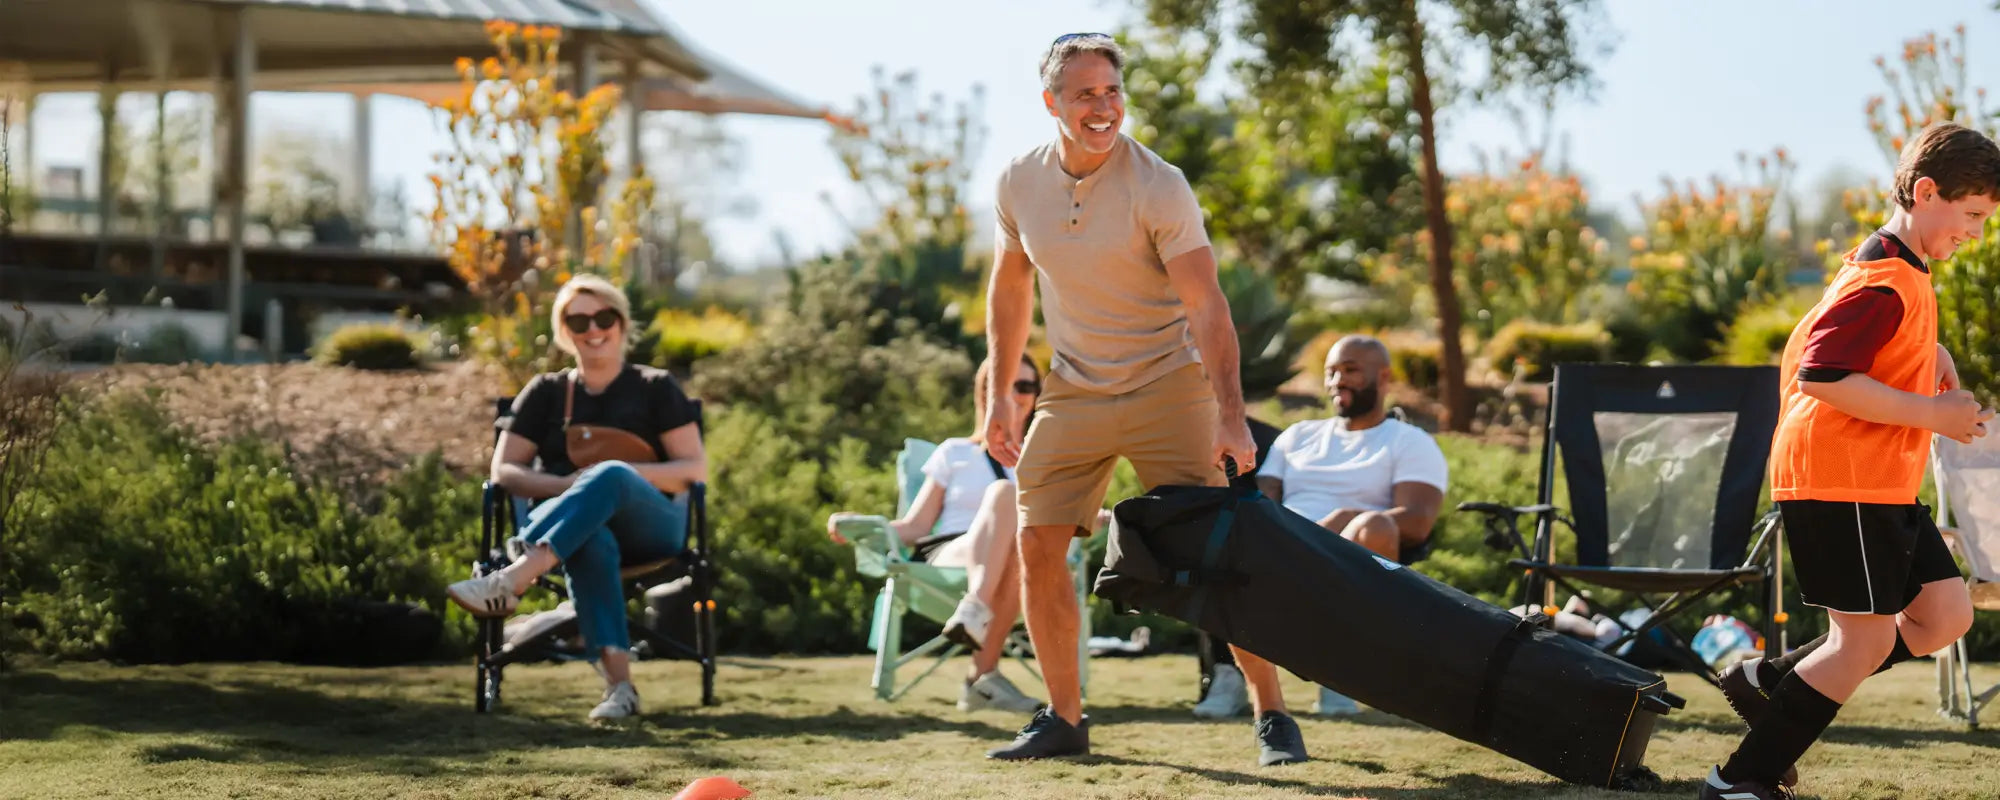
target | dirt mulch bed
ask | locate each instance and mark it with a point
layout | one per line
(335, 417)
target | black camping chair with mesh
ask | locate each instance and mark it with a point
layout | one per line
(682, 627)
(1664, 468)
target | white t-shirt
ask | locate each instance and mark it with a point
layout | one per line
(1325, 467)
(961, 468)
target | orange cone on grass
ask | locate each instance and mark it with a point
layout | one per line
(713, 788)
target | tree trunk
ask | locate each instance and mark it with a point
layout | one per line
(1451, 380)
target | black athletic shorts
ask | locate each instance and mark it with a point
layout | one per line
(1864, 558)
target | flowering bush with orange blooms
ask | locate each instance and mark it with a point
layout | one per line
(1525, 249)
(1930, 87)
(1705, 255)
(518, 191)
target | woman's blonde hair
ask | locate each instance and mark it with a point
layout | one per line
(596, 287)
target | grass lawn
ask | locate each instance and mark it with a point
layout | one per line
(808, 727)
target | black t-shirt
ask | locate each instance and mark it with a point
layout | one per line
(643, 400)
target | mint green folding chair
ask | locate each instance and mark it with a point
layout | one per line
(929, 591)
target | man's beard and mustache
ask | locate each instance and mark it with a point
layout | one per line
(1362, 401)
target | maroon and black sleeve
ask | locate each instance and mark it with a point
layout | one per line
(1846, 338)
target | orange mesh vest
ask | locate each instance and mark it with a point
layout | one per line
(1821, 453)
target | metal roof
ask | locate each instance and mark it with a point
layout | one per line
(60, 45)
(569, 14)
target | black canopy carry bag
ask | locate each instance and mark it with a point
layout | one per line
(1250, 571)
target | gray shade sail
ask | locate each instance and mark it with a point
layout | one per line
(393, 47)
(728, 90)
(58, 45)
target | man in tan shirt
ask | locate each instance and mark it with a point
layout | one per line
(1145, 358)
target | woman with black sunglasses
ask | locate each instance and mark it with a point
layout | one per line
(965, 516)
(597, 446)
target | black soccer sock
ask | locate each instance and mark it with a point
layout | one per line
(1798, 714)
(1772, 670)
(1897, 655)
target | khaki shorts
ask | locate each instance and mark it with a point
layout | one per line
(1165, 428)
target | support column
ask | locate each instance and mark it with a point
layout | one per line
(361, 184)
(107, 154)
(24, 118)
(163, 206)
(233, 108)
(635, 163)
(583, 69)
(157, 46)
(635, 112)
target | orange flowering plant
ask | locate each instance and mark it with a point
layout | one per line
(1525, 248)
(1929, 86)
(517, 193)
(1704, 255)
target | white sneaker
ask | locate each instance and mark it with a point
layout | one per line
(1228, 695)
(620, 701)
(489, 595)
(1335, 704)
(993, 690)
(968, 622)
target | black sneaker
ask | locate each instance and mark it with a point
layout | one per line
(1047, 736)
(1715, 788)
(1739, 687)
(1279, 740)
(1748, 700)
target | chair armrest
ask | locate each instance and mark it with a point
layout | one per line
(1497, 508)
(1502, 523)
(872, 533)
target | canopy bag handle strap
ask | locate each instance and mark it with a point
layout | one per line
(1209, 573)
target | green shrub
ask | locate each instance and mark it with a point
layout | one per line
(1758, 336)
(368, 346)
(827, 366)
(1480, 472)
(1416, 364)
(811, 410)
(137, 543)
(680, 338)
(1536, 348)
(168, 343)
(95, 347)
(1969, 313)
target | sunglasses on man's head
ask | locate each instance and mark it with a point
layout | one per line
(605, 318)
(1068, 36)
(1027, 387)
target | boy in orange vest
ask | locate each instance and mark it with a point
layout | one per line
(1865, 385)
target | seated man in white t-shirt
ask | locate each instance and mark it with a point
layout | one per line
(1374, 480)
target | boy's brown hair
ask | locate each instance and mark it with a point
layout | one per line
(1961, 160)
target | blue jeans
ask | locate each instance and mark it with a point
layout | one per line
(610, 516)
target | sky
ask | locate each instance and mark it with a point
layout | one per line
(1687, 87)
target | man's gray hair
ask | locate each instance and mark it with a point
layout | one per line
(1061, 52)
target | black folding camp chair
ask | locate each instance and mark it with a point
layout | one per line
(1664, 468)
(692, 571)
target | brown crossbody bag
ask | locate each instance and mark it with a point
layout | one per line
(595, 444)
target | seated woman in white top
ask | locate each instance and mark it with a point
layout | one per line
(968, 498)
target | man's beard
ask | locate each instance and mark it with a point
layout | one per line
(1364, 401)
